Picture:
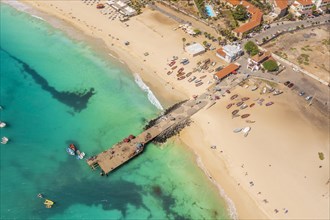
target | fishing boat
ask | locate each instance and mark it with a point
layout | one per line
(192, 79)
(174, 67)
(246, 130)
(198, 81)
(72, 147)
(181, 78)
(237, 130)
(245, 98)
(235, 112)
(180, 70)
(80, 155)
(188, 74)
(70, 151)
(229, 105)
(234, 97)
(4, 140)
(169, 72)
(252, 105)
(244, 106)
(239, 103)
(180, 74)
(202, 77)
(254, 88)
(2, 124)
(277, 92)
(199, 84)
(269, 103)
(249, 121)
(245, 115)
(48, 203)
(264, 90)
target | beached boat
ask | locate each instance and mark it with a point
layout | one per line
(174, 67)
(239, 103)
(229, 105)
(169, 72)
(48, 203)
(181, 78)
(252, 105)
(198, 81)
(180, 70)
(264, 90)
(245, 115)
(245, 98)
(254, 88)
(4, 140)
(188, 74)
(249, 121)
(235, 112)
(202, 77)
(180, 74)
(192, 79)
(246, 131)
(244, 106)
(199, 84)
(269, 103)
(234, 97)
(277, 92)
(2, 124)
(237, 130)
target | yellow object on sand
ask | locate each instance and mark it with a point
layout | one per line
(48, 203)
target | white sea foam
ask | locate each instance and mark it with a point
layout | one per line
(231, 206)
(40, 18)
(152, 98)
(16, 4)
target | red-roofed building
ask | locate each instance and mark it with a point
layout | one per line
(255, 17)
(225, 72)
(302, 7)
(281, 7)
(254, 63)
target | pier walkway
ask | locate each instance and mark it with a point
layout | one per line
(121, 152)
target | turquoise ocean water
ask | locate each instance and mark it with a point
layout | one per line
(56, 91)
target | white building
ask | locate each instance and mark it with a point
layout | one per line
(301, 7)
(322, 4)
(195, 49)
(229, 53)
(118, 5)
(128, 11)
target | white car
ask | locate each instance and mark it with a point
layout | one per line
(308, 98)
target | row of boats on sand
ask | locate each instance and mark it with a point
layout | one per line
(73, 151)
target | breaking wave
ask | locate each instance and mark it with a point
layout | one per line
(152, 98)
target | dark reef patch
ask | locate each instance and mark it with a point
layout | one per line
(77, 100)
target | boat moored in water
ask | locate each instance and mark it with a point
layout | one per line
(48, 203)
(2, 124)
(70, 151)
(4, 140)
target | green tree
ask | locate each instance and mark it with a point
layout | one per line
(270, 65)
(197, 31)
(251, 48)
(240, 13)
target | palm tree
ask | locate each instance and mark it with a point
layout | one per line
(183, 41)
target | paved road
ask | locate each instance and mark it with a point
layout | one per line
(288, 26)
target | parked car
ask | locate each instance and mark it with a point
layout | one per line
(290, 85)
(308, 98)
(301, 93)
(287, 83)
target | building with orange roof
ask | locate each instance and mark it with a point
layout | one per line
(301, 7)
(255, 17)
(281, 7)
(225, 72)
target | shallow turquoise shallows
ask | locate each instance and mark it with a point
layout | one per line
(56, 91)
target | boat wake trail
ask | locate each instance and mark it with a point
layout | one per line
(152, 98)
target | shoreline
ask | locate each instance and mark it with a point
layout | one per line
(225, 174)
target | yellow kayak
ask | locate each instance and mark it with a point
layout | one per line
(48, 203)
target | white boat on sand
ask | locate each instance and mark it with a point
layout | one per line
(237, 130)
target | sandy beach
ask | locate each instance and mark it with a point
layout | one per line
(273, 173)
